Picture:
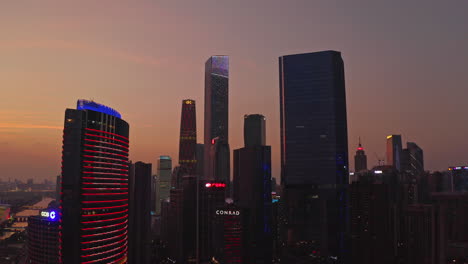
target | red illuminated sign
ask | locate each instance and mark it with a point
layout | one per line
(215, 184)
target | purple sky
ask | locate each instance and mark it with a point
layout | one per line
(405, 64)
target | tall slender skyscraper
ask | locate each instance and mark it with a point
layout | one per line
(94, 191)
(314, 147)
(140, 213)
(360, 159)
(394, 151)
(164, 181)
(217, 153)
(254, 130)
(188, 137)
(252, 192)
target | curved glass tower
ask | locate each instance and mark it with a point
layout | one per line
(94, 193)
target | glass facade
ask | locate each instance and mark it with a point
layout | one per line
(314, 147)
(94, 194)
(216, 111)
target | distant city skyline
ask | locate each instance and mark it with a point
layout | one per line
(404, 76)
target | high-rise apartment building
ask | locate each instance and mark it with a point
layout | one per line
(314, 147)
(95, 197)
(217, 158)
(188, 137)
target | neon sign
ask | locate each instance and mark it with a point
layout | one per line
(215, 184)
(51, 215)
(227, 212)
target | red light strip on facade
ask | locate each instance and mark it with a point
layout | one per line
(105, 183)
(113, 256)
(107, 201)
(104, 189)
(101, 178)
(104, 142)
(124, 193)
(102, 147)
(105, 173)
(99, 136)
(104, 246)
(107, 153)
(105, 233)
(105, 220)
(110, 133)
(98, 157)
(105, 239)
(118, 261)
(108, 163)
(103, 168)
(102, 227)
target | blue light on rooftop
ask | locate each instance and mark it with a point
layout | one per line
(90, 105)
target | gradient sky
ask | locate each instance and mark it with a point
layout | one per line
(405, 65)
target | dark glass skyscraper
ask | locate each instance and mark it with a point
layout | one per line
(94, 195)
(394, 151)
(216, 119)
(254, 130)
(314, 147)
(188, 137)
(140, 213)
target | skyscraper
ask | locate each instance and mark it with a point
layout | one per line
(188, 137)
(164, 181)
(217, 165)
(254, 130)
(415, 159)
(360, 159)
(394, 150)
(95, 194)
(43, 237)
(140, 213)
(252, 191)
(314, 147)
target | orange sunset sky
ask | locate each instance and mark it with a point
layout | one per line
(405, 66)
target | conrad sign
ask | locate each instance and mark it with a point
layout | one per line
(227, 212)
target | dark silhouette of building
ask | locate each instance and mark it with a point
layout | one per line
(371, 230)
(43, 237)
(252, 192)
(360, 159)
(210, 228)
(458, 177)
(140, 214)
(412, 161)
(95, 193)
(188, 137)
(217, 158)
(314, 147)
(394, 151)
(420, 234)
(232, 218)
(200, 159)
(254, 130)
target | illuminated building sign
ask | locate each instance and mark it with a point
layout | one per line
(227, 212)
(90, 105)
(215, 185)
(51, 215)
